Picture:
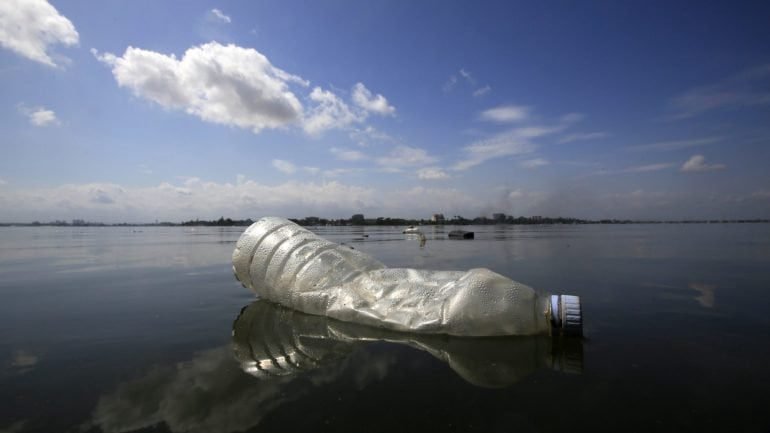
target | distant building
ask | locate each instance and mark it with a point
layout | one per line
(499, 217)
(438, 218)
(358, 219)
(312, 221)
(537, 218)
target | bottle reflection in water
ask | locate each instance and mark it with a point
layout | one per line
(271, 341)
(289, 265)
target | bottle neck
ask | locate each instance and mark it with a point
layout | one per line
(566, 315)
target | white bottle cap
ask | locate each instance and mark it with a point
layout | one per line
(566, 315)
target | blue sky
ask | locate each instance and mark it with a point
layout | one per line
(136, 111)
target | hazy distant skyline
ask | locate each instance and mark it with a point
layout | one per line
(136, 111)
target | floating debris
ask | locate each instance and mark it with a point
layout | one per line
(460, 234)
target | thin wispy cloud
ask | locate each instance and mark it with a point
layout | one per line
(450, 84)
(284, 166)
(649, 167)
(482, 91)
(337, 172)
(219, 16)
(505, 114)
(675, 144)
(348, 154)
(406, 156)
(470, 81)
(697, 163)
(31, 27)
(582, 136)
(521, 140)
(468, 77)
(534, 163)
(432, 173)
(364, 137)
(572, 118)
(645, 168)
(750, 88)
(509, 143)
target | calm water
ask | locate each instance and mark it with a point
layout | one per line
(120, 329)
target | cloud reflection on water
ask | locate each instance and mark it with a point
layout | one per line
(291, 354)
(706, 298)
(210, 394)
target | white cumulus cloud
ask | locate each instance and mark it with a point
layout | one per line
(224, 84)
(186, 199)
(698, 163)
(330, 112)
(284, 166)
(30, 27)
(194, 197)
(237, 86)
(39, 116)
(377, 104)
(43, 117)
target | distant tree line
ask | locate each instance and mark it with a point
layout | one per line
(222, 221)
(359, 220)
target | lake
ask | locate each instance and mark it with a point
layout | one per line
(146, 329)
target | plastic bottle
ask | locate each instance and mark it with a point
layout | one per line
(271, 341)
(289, 265)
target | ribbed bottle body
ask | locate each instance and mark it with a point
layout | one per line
(287, 264)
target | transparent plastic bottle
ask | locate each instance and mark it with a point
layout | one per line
(289, 265)
(271, 341)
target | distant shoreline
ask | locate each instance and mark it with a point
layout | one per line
(314, 221)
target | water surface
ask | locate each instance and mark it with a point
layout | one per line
(134, 329)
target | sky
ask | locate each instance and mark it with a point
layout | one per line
(157, 110)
